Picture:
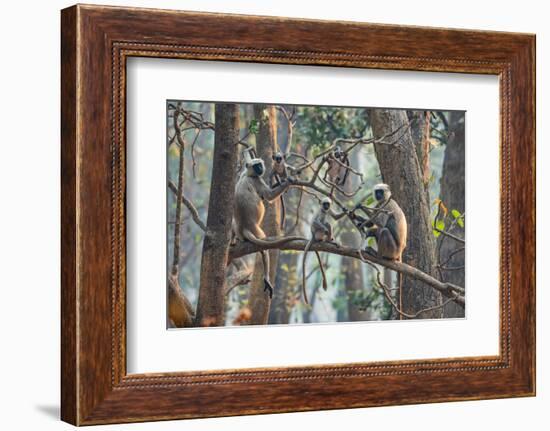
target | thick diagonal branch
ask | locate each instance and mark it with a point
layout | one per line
(448, 289)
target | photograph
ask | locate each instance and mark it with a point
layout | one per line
(282, 214)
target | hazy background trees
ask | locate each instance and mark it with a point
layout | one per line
(426, 175)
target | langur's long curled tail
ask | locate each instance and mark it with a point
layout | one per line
(325, 284)
(283, 213)
(249, 236)
(400, 286)
(308, 246)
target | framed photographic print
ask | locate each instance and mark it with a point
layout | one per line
(252, 205)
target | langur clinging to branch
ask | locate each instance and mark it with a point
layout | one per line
(280, 171)
(321, 230)
(389, 226)
(338, 167)
(251, 191)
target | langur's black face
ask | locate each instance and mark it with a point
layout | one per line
(379, 194)
(258, 169)
(326, 206)
(278, 158)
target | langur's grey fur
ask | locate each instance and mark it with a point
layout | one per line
(389, 227)
(338, 167)
(251, 191)
(321, 230)
(280, 171)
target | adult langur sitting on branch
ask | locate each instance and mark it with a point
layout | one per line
(251, 193)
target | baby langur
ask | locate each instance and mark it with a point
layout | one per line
(280, 171)
(321, 230)
(338, 167)
(251, 191)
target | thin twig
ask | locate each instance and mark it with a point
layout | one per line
(189, 205)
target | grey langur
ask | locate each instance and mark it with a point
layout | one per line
(321, 230)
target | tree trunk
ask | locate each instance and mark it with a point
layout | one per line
(420, 132)
(279, 312)
(266, 142)
(210, 307)
(401, 170)
(453, 194)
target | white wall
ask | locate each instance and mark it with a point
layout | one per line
(29, 214)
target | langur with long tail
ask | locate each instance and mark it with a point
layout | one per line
(321, 230)
(387, 223)
(251, 193)
(280, 171)
(338, 167)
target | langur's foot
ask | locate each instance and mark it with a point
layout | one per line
(268, 288)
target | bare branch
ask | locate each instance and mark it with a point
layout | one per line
(177, 226)
(448, 289)
(449, 235)
(407, 315)
(239, 278)
(189, 205)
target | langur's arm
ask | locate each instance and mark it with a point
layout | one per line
(374, 216)
(336, 216)
(291, 169)
(391, 225)
(273, 175)
(270, 194)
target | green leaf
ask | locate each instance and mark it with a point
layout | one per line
(440, 225)
(436, 233)
(371, 242)
(370, 200)
(455, 213)
(253, 127)
(460, 222)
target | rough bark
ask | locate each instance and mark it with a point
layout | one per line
(210, 307)
(453, 195)
(420, 132)
(401, 170)
(266, 142)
